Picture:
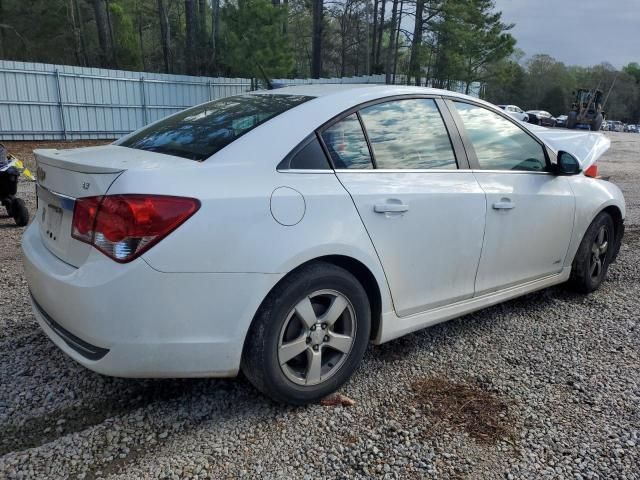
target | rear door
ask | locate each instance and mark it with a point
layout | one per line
(424, 214)
(530, 211)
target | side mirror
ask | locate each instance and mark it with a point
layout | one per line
(567, 164)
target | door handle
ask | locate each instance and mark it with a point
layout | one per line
(505, 204)
(390, 208)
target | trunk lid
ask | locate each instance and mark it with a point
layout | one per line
(65, 175)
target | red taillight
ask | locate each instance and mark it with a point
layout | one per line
(84, 215)
(592, 171)
(124, 226)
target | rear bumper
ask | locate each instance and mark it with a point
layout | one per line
(88, 351)
(133, 321)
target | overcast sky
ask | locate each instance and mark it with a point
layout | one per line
(576, 32)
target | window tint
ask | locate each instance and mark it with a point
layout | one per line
(199, 132)
(408, 134)
(498, 143)
(308, 156)
(346, 144)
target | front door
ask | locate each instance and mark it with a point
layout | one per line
(530, 211)
(424, 215)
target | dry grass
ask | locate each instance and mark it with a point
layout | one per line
(481, 414)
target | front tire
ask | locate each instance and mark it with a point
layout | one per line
(592, 260)
(309, 335)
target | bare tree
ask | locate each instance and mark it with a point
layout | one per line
(388, 64)
(416, 44)
(103, 32)
(374, 35)
(426, 11)
(75, 28)
(215, 32)
(140, 18)
(202, 35)
(165, 35)
(190, 37)
(317, 8)
(397, 42)
(112, 38)
(380, 32)
(3, 35)
(81, 29)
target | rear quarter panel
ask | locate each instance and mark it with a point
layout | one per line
(234, 231)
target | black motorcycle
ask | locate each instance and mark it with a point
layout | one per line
(10, 170)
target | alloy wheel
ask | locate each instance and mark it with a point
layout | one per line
(316, 337)
(599, 253)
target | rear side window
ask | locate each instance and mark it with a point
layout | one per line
(408, 134)
(347, 145)
(500, 144)
(199, 132)
(306, 156)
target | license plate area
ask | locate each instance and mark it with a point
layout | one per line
(52, 221)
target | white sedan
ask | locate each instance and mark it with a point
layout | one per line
(280, 232)
(516, 112)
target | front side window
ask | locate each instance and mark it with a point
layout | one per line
(500, 144)
(199, 132)
(408, 134)
(347, 145)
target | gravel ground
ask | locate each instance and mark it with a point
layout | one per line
(545, 386)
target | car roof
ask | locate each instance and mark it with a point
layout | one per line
(333, 99)
(361, 89)
(324, 90)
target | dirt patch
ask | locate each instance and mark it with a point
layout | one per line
(481, 414)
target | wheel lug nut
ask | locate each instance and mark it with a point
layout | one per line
(313, 328)
(324, 326)
(316, 347)
(326, 338)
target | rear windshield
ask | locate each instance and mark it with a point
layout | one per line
(199, 132)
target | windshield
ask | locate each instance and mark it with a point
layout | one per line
(199, 132)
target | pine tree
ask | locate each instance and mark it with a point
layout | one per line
(253, 39)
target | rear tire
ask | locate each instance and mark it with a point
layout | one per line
(19, 212)
(592, 260)
(309, 335)
(572, 120)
